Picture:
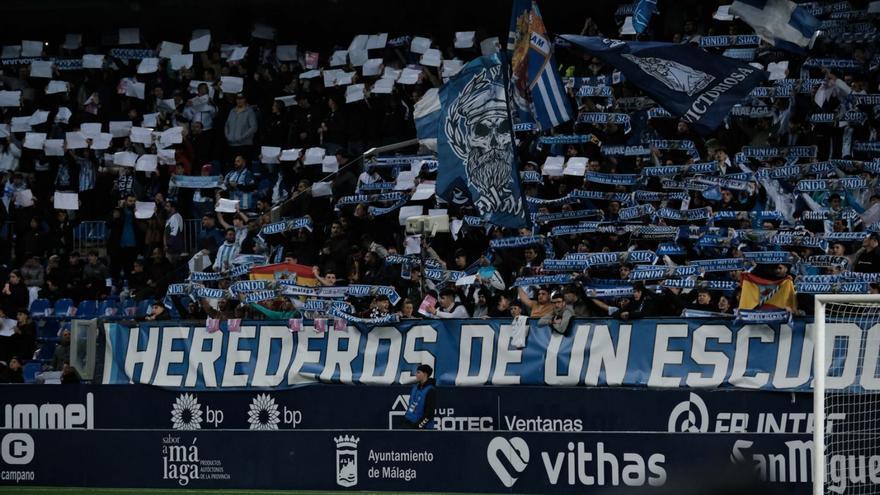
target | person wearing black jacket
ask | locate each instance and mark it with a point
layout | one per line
(422, 401)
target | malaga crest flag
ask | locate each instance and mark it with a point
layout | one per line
(475, 148)
(696, 86)
(537, 92)
(760, 293)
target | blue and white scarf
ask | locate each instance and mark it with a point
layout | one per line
(613, 179)
(723, 285)
(840, 288)
(286, 226)
(733, 40)
(389, 318)
(560, 279)
(685, 215)
(763, 316)
(516, 242)
(567, 215)
(565, 265)
(769, 257)
(634, 212)
(720, 265)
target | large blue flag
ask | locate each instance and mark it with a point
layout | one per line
(642, 14)
(688, 82)
(475, 148)
(537, 92)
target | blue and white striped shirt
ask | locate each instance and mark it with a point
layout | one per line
(225, 254)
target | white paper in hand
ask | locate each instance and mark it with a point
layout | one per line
(135, 90)
(53, 147)
(144, 209)
(553, 166)
(338, 58)
(377, 41)
(143, 135)
(21, 124)
(358, 57)
(419, 45)
(39, 117)
(723, 14)
(150, 119)
(90, 129)
(238, 53)
(329, 165)
(124, 158)
(372, 67)
(63, 115)
(148, 65)
(102, 141)
(171, 136)
(291, 155)
(451, 67)
(56, 87)
(424, 191)
(431, 58)
(31, 48)
(409, 76)
(383, 86)
(34, 140)
(167, 157)
(320, 189)
(168, 49)
(270, 154)
(76, 140)
(93, 61)
(41, 68)
(226, 205)
(576, 165)
(181, 61)
(10, 98)
(201, 40)
(310, 74)
(314, 156)
(231, 84)
(66, 201)
(146, 163)
(354, 93)
(464, 39)
(263, 32)
(120, 128)
(627, 28)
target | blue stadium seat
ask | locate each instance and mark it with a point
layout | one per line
(108, 309)
(30, 371)
(143, 307)
(62, 306)
(39, 306)
(47, 332)
(87, 309)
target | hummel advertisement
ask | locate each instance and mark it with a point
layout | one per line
(413, 461)
(513, 409)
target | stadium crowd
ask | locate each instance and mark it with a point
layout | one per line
(151, 139)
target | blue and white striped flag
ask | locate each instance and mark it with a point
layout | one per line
(642, 14)
(781, 23)
(537, 91)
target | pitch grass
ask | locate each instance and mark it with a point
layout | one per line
(28, 490)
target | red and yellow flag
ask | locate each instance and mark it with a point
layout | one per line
(304, 275)
(760, 293)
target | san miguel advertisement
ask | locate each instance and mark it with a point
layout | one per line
(413, 461)
(674, 353)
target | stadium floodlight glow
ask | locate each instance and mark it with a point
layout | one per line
(855, 433)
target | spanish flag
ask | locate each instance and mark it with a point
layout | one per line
(304, 275)
(760, 293)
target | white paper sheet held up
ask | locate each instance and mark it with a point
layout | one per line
(148, 65)
(34, 140)
(354, 93)
(231, 84)
(168, 49)
(10, 98)
(314, 156)
(431, 58)
(53, 147)
(76, 140)
(143, 135)
(102, 141)
(409, 211)
(93, 61)
(72, 41)
(120, 128)
(226, 205)
(201, 40)
(285, 53)
(320, 189)
(181, 61)
(66, 201)
(270, 154)
(419, 45)
(464, 39)
(329, 164)
(30, 48)
(56, 87)
(144, 209)
(124, 158)
(41, 68)
(290, 155)
(146, 163)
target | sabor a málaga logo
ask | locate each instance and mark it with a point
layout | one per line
(690, 416)
(346, 460)
(186, 413)
(515, 450)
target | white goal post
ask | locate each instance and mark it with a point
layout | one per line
(863, 309)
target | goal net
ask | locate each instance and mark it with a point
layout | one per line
(846, 395)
